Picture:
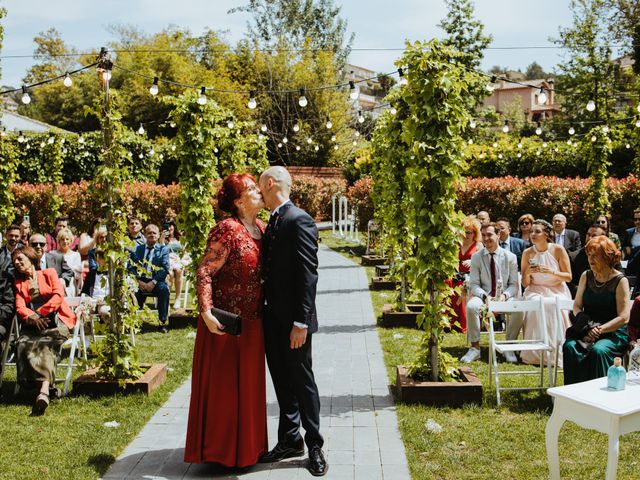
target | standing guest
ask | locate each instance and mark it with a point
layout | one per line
(470, 245)
(512, 244)
(578, 259)
(178, 258)
(631, 240)
(134, 231)
(569, 239)
(25, 230)
(490, 267)
(545, 271)
(46, 320)
(290, 262)
(605, 223)
(603, 295)
(64, 240)
(524, 229)
(52, 238)
(227, 414)
(483, 218)
(51, 260)
(150, 265)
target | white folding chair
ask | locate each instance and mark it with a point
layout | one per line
(185, 292)
(562, 305)
(76, 342)
(14, 333)
(541, 345)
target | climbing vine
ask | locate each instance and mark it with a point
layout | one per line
(8, 168)
(596, 149)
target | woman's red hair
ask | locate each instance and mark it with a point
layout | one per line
(603, 247)
(231, 190)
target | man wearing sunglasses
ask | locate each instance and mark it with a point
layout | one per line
(51, 259)
(631, 240)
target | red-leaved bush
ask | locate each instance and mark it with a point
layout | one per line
(314, 194)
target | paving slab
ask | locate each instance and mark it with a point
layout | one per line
(357, 415)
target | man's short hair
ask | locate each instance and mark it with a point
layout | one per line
(151, 225)
(13, 227)
(490, 224)
(564, 219)
(62, 218)
(131, 218)
(504, 219)
(637, 210)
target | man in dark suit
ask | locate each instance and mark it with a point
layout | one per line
(150, 265)
(506, 241)
(569, 239)
(12, 239)
(7, 278)
(631, 239)
(290, 268)
(53, 260)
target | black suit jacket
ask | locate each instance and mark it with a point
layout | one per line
(56, 261)
(572, 240)
(290, 268)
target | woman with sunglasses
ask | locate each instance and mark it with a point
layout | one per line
(604, 222)
(524, 229)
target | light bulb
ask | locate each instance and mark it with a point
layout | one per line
(354, 92)
(544, 144)
(490, 88)
(556, 150)
(482, 155)
(141, 130)
(279, 145)
(519, 155)
(62, 140)
(309, 140)
(260, 136)
(472, 124)
(152, 152)
(302, 101)
(357, 134)
(26, 98)
(230, 124)
(202, 98)
(297, 148)
(569, 142)
(81, 140)
(141, 156)
(393, 111)
(505, 129)
(263, 127)
(591, 105)
(403, 80)
(539, 131)
(333, 138)
(538, 152)
(172, 124)
(593, 138)
(296, 127)
(470, 141)
(329, 124)
(316, 148)
(64, 150)
(572, 131)
(355, 142)
(520, 145)
(252, 100)
(638, 123)
(67, 82)
(638, 107)
(542, 97)
(360, 117)
(500, 156)
(495, 144)
(605, 129)
(335, 147)
(50, 140)
(285, 139)
(627, 146)
(42, 144)
(173, 148)
(161, 156)
(153, 89)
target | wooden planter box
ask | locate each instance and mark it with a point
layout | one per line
(89, 384)
(382, 270)
(181, 317)
(393, 319)
(371, 260)
(381, 283)
(439, 394)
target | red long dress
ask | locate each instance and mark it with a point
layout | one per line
(459, 305)
(228, 409)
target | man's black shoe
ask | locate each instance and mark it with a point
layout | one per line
(163, 328)
(280, 452)
(318, 466)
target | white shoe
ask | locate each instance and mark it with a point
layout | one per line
(176, 305)
(471, 356)
(510, 357)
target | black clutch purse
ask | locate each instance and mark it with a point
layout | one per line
(580, 326)
(231, 322)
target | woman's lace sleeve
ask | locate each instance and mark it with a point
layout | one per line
(215, 256)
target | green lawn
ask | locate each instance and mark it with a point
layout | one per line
(70, 441)
(487, 442)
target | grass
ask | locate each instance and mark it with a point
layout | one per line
(487, 442)
(70, 441)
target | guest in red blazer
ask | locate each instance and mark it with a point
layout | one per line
(45, 321)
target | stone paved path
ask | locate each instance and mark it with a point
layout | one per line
(358, 418)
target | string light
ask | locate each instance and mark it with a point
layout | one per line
(472, 124)
(569, 142)
(519, 155)
(296, 127)
(285, 139)
(393, 110)
(627, 146)
(279, 145)
(542, 97)
(172, 124)
(505, 129)
(335, 147)
(356, 134)
(329, 125)
(490, 87)
(316, 148)
(605, 129)
(593, 138)
(309, 140)
(230, 124)
(354, 92)
(252, 100)
(544, 144)
(360, 117)
(591, 106)
(302, 101)
(638, 123)
(500, 156)
(67, 82)
(333, 138)
(572, 131)
(355, 142)
(50, 140)
(519, 145)
(403, 80)
(26, 99)
(495, 144)
(153, 89)
(202, 98)
(81, 140)
(538, 152)
(141, 130)
(638, 108)
(297, 148)
(470, 142)
(539, 129)
(263, 127)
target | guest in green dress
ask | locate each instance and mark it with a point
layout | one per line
(603, 294)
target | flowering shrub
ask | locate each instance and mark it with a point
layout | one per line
(359, 195)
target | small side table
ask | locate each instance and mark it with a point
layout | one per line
(591, 405)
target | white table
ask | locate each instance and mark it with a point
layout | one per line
(591, 405)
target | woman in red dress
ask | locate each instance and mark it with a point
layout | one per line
(470, 245)
(228, 410)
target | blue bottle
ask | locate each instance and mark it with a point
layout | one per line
(617, 375)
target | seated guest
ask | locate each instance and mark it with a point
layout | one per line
(483, 217)
(7, 278)
(25, 230)
(51, 260)
(512, 244)
(633, 328)
(87, 240)
(52, 238)
(578, 259)
(150, 265)
(545, 271)
(65, 237)
(178, 258)
(96, 285)
(631, 239)
(470, 245)
(134, 231)
(569, 239)
(605, 223)
(488, 266)
(12, 241)
(45, 321)
(603, 295)
(524, 229)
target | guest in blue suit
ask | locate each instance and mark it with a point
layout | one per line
(150, 265)
(509, 243)
(631, 240)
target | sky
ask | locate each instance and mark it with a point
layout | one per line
(377, 24)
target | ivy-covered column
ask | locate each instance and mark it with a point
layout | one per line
(8, 176)
(596, 149)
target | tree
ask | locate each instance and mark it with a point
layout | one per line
(54, 55)
(3, 13)
(625, 27)
(534, 71)
(464, 32)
